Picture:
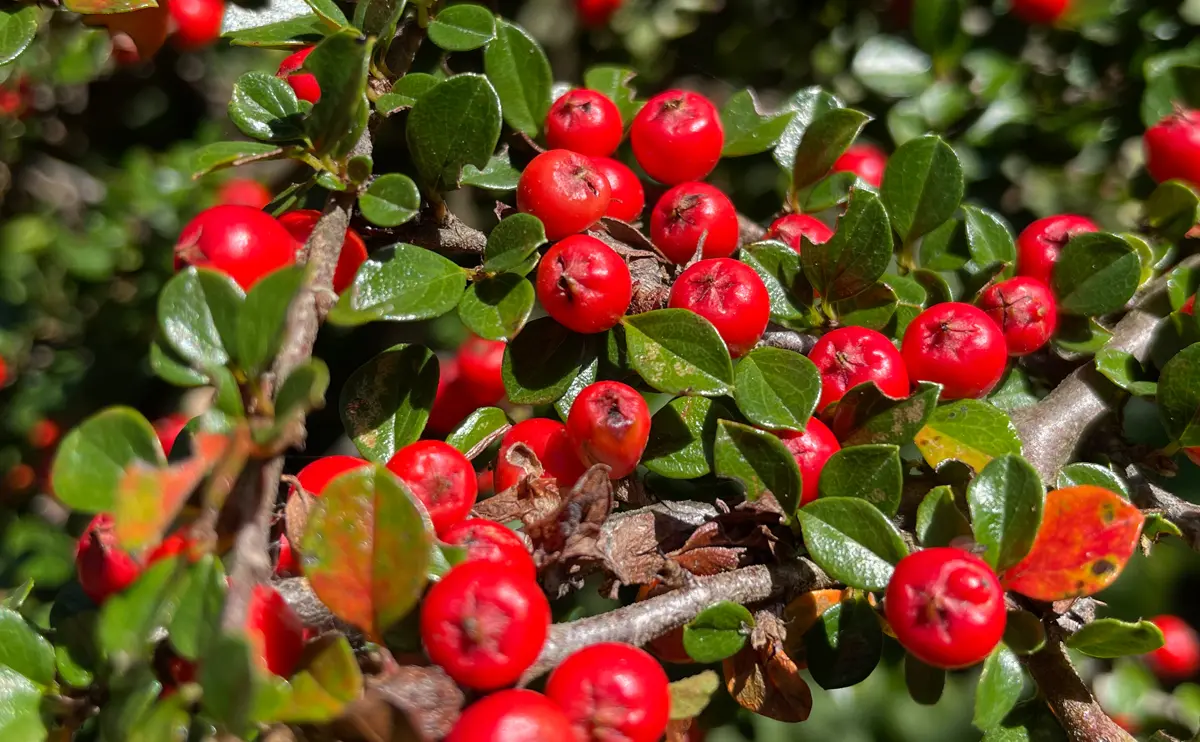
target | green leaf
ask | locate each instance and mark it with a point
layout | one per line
(910, 302)
(760, 461)
(340, 64)
(197, 620)
(845, 644)
(587, 376)
(872, 308)
(319, 694)
(1108, 637)
(229, 688)
(1082, 336)
(872, 472)
(1030, 722)
(922, 186)
(512, 242)
(969, 431)
(17, 29)
(1124, 370)
(1172, 210)
(406, 92)
(614, 81)
(330, 12)
(937, 27)
(679, 352)
(1014, 391)
(1079, 473)
(939, 521)
(166, 721)
(391, 200)
(386, 402)
(717, 632)
(478, 426)
(219, 155)
(1024, 632)
(825, 140)
(852, 541)
(866, 415)
(265, 107)
(1006, 509)
(379, 18)
(93, 457)
(520, 72)
(461, 28)
(748, 131)
(1096, 273)
(691, 695)
(173, 369)
(453, 125)
(302, 391)
(807, 105)
(682, 436)
(261, 322)
(892, 67)
(999, 688)
(401, 283)
(198, 315)
(1179, 396)
(777, 389)
(20, 701)
(23, 649)
(541, 362)
(130, 620)
(293, 33)
(1171, 80)
(925, 683)
(857, 254)
(497, 308)
(779, 268)
(497, 175)
(989, 238)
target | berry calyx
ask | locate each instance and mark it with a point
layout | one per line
(565, 190)
(628, 196)
(304, 84)
(612, 691)
(489, 541)
(609, 423)
(440, 477)
(554, 449)
(677, 137)
(586, 122)
(691, 214)
(244, 192)
(512, 716)
(104, 569)
(1173, 148)
(484, 625)
(584, 284)
(596, 13)
(811, 449)
(243, 243)
(479, 363)
(1024, 309)
(864, 160)
(167, 429)
(300, 224)
(791, 228)
(1040, 11)
(850, 356)
(1040, 243)
(197, 22)
(275, 632)
(315, 476)
(730, 295)
(946, 607)
(1179, 656)
(958, 346)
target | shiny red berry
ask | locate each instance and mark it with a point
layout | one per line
(300, 224)
(197, 22)
(584, 284)
(1041, 242)
(440, 477)
(489, 541)
(479, 363)
(677, 137)
(958, 346)
(549, 441)
(628, 196)
(1025, 310)
(811, 449)
(1039, 11)
(103, 567)
(288, 562)
(596, 13)
(243, 243)
(315, 476)
(728, 294)
(609, 423)
(612, 691)
(586, 122)
(1173, 148)
(168, 428)
(1179, 656)
(790, 228)
(275, 632)
(946, 607)
(244, 192)
(512, 716)
(691, 214)
(484, 624)
(864, 160)
(565, 190)
(304, 84)
(850, 356)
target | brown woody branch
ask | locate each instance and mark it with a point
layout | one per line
(1072, 703)
(1149, 496)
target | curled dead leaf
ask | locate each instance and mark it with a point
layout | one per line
(768, 683)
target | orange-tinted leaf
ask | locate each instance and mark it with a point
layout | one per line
(136, 36)
(769, 684)
(802, 614)
(1087, 535)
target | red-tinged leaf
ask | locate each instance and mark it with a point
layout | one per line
(1087, 535)
(366, 549)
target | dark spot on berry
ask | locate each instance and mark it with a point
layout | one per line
(1102, 567)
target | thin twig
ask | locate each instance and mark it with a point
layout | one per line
(1149, 496)
(1072, 703)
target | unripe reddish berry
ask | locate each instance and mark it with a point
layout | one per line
(1025, 311)
(440, 477)
(609, 423)
(612, 691)
(1179, 656)
(584, 284)
(864, 160)
(304, 84)
(946, 607)
(1040, 243)
(489, 541)
(484, 624)
(850, 356)
(586, 122)
(549, 441)
(628, 196)
(243, 243)
(677, 137)
(565, 190)
(197, 22)
(790, 228)
(1039, 11)
(691, 213)
(244, 192)
(103, 567)
(453, 401)
(479, 363)
(730, 295)
(168, 428)
(275, 632)
(512, 716)
(596, 13)
(1173, 148)
(300, 224)
(811, 449)
(958, 346)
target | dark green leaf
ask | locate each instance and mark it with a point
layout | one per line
(292, 33)
(260, 323)
(1082, 473)
(679, 352)
(228, 154)
(173, 369)
(379, 18)
(872, 308)
(401, 283)
(330, 12)
(406, 92)
(340, 64)
(969, 431)
(1171, 80)
(1172, 210)
(691, 695)
(512, 242)
(807, 105)
(302, 391)
(23, 649)
(1179, 396)
(18, 26)
(1108, 637)
(857, 254)
(497, 308)
(166, 721)
(925, 683)
(197, 619)
(747, 130)
(541, 362)
(867, 415)
(945, 248)
(520, 72)
(1030, 722)
(777, 389)
(265, 107)
(922, 186)
(1096, 273)
(454, 125)
(587, 376)
(891, 66)
(824, 141)
(92, 458)
(999, 688)
(845, 644)
(229, 688)
(939, 521)
(1014, 391)
(760, 461)
(385, 403)
(1024, 633)
(614, 81)
(989, 238)
(681, 438)
(497, 175)
(1080, 336)
(1006, 509)
(910, 302)
(130, 620)
(198, 315)
(872, 472)
(779, 268)
(391, 200)
(461, 28)
(834, 190)
(937, 27)
(852, 541)
(717, 632)
(478, 426)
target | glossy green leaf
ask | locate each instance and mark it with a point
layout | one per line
(999, 688)
(291, 33)
(922, 186)
(329, 12)
(1080, 336)
(717, 632)
(451, 126)
(681, 438)
(939, 521)
(386, 402)
(390, 200)
(1179, 396)
(758, 460)
(852, 541)
(614, 81)
(1124, 370)
(776, 389)
(461, 28)
(478, 427)
(497, 308)
(265, 107)
(872, 308)
(340, 65)
(302, 391)
(406, 92)
(866, 415)
(1096, 273)
(779, 268)
(1109, 637)
(197, 619)
(1172, 210)
(261, 322)
(172, 369)
(679, 352)
(857, 254)
(807, 105)
(834, 190)
(825, 140)
(1079, 473)
(512, 242)
(969, 431)
(1024, 633)
(93, 457)
(541, 362)
(401, 283)
(925, 683)
(1014, 391)
(989, 238)
(198, 316)
(166, 721)
(845, 644)
(1006, 509)
(520, 72)
(872, 472)
(891, 66)
(747, 130)
(230, 154)
(379, 18)
(497, 175)
(18, 26)
(23, 649)
(587, 376)
(20, 713)
(910, 302)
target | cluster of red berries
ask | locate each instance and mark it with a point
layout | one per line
(304, 84)
(469, 380)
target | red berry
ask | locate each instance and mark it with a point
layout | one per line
(549, 441)
(1173, 148)
(168, 429)
(15, 97)
(1179, 656)
(484, 624)
(275, 632)
(300, 225)
(1039, 245)
(677, 137)
(104, 568)
(197, 22)
(489, 541)
(586, 122)
(850, 356)
(288, 563)
(864, 160)
(317, 475)
(628, 196)
(180, 542)
(440, 477)
(789, 229)
(3, 372)
(304, 84)
(946, 607)
(690, 213)
(958, 346)
(1025, 311)
(565, 190)
(584, 284)
(612, 691)
(512, 716)
(728, 294)
(811, 449)
(479, 363)
(596, 13)
(244, 192)
(44, 434)
(244, 243)
(609, 423)
(454, 399)
(1039, 11)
